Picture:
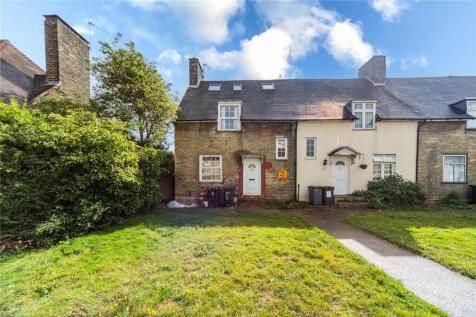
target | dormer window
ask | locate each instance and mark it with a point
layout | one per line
(267, 86)
(229, 114)
(471, 110)
(236, 87)
(365, 113)
(214, 87)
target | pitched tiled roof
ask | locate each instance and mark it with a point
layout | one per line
(19, 75)
(311, 99)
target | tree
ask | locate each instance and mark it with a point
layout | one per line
(130, 89)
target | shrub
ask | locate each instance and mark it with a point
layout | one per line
(392, 191)
(153, 164)
(454, 201)
(63, 175)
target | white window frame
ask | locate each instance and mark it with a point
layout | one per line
(382, 165)
(237, 87)
(363, 112)
(465, 169)
(267, 86)
(471, 123)
(285, 148)
(200, 160)
(313, 157)
(238, 117)
(214, 87)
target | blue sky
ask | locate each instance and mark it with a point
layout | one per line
(237, 39)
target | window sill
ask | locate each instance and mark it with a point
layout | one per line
(362, 129)
(221, 130)
(281, 159)
(310, 158)
(455, 183)
(208, 182)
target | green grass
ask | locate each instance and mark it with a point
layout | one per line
(445, 237)
(202, 263)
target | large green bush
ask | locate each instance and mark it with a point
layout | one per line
(393, 191)
(64, 174)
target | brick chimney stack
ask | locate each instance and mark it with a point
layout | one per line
(374, 70)
(195, 72)
(67, 58)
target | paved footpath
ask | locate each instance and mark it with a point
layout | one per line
(452, 292)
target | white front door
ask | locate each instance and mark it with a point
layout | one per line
(252, 176)
(340, 176)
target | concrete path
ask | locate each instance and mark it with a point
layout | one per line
(430, 281)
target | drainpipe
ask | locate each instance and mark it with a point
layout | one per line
(420, 124)
(296, 188)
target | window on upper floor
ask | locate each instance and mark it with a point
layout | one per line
(471, 110)
(267, 86)
(365, 114)
(311, 148)
(229, 116)
(237, 87)
(454, 168)
(214, 87)
(384, 165)
(281, 149)
(210, 167)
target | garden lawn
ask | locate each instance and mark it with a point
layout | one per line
(202, 263)
(445, 237)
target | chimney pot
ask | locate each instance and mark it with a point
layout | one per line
(374, 70)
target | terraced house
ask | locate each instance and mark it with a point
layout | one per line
(274, 138)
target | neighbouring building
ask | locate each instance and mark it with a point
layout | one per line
(274, 138)
(67, 66)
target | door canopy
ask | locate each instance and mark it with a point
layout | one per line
(343, 151)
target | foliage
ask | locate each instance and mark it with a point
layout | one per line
(129, 88)
(290, 204)
(203, 263)
(454, 201)
(61, 106)
(153, 164)
(63, 175)
(392, 191)
(446, 237)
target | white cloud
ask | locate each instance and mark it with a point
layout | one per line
(170, 55)
(85, 31)
(294, 29)
(345, 43)
(389, 9)
(418, 61)
(263, 56)
(206, 20)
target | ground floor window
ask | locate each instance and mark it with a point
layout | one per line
(210, 167)
(454, 168)
(384, 165)
(310, 148)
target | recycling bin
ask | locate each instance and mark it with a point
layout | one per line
(228, 196)
(473, 194)
(213, 197)
(316, 195)
(328, 195)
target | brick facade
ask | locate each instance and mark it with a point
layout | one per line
(202, 138)
(436, 139)
(67, 59)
